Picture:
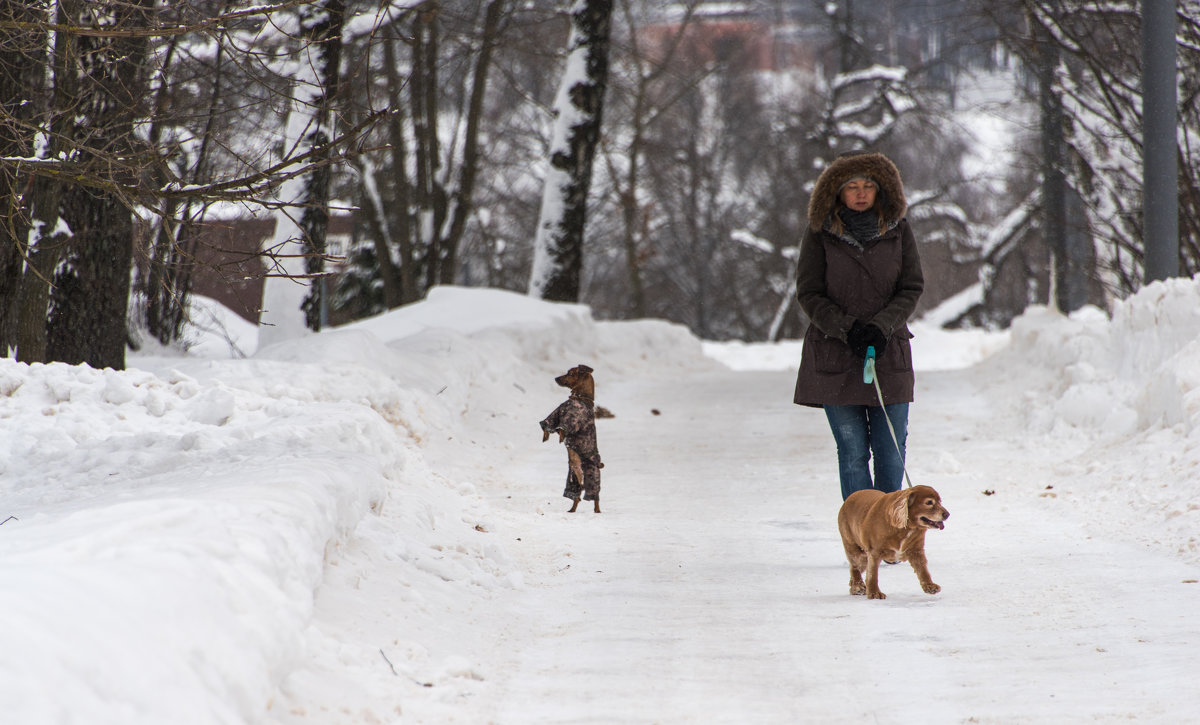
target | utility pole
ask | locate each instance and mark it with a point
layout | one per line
(1160, 193)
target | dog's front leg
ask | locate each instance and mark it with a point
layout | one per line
(873, 577)
(921, 566)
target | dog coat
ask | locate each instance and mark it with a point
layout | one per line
(577, 421)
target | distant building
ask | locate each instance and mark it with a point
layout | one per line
(732, 32)
(228, 264)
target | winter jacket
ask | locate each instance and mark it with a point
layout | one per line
(840, 280)
(575, 418)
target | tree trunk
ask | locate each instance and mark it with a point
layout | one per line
(558, 246)
(293, 297)
(1064, 224)
(89, 301)
(448, 260)
(164, 287)
(21, 57)
(407, 278)
(48, 234)
(321, 25)
(428, 195)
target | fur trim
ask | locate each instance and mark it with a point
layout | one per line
(844, 168)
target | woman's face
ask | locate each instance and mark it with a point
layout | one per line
(859, 194)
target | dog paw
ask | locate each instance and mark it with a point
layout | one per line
(858, 589)
(876, 595)
(931, 588)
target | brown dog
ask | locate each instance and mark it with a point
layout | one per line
(575, 423)
(877, 526)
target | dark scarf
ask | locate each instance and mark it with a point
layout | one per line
(863, 226)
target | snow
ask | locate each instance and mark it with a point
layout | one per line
(363, 526)
(874, 74)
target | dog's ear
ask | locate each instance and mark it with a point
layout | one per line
(897, 513)
(584, 369)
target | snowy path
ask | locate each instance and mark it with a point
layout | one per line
(713, 588)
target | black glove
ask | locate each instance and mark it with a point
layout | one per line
(861, 336)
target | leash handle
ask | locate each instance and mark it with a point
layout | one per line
(869, 366)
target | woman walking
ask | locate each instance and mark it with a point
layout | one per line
(858, 280)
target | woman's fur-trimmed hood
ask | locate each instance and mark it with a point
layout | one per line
(877, 167)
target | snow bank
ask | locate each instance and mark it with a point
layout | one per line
(169, 534)
(1133, 372)
(1121, 397)
(174, 521)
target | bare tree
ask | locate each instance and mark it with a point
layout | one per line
(417, 196)
(653, 81)
(1096, 73)
(101, 156)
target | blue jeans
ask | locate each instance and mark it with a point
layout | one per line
(861, 430)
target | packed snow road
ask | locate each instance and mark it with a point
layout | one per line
(713, 588)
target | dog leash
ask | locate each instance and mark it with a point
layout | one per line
(869, 377)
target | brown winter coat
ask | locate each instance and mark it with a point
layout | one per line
(840, 281)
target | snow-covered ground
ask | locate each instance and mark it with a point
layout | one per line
(363, 526)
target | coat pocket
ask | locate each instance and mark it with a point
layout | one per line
(898, 355)
(833, 356)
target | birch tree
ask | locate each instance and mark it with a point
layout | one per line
(558, 243)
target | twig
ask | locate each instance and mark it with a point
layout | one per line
(10, 518)
(385, 659)
(397, 674)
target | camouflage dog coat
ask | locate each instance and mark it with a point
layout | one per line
(576, 421)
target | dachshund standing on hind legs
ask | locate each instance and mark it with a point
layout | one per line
(575, 423)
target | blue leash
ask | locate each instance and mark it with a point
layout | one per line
(869, 377)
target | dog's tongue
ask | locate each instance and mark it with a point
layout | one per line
(939, 524)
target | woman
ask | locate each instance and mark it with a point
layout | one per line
(858, 280)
